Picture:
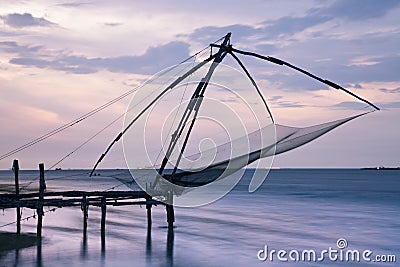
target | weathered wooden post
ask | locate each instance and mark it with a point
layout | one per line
(170, 215)
(42, 187)
(148, 207)
(16, 175)
(170, 210)
(103, 225)
(103, 216)
(85, 209)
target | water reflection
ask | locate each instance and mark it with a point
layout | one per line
(39, 253)
(103, 248)
(154, 254)
(84, 246)
(169, 255)
(170, 246)
(16, 257)
(148, 246)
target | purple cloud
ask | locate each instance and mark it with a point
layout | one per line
(24, 20)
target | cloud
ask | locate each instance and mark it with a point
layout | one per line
(74, 4)
(24, 20)
(384, 71)
(340, 54)
(389, 91)
(278, 101)
(325, 41)
(13, 47)
(267, 30)
(288, 104)
(391, 105)
(288, 25)
(287, 36)
(359, 10)
(154, 59)
(113, 24)
(275, 98)
(291, 25)
(350, 105)
(268, 36)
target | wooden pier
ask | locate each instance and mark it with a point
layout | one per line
(82, 199)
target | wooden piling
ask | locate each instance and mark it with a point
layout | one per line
(170, 211)
(170, 215)
(148, 207)
(16, 175)
(37, 200)
(42, 186)
(103, 216)
(85, 209)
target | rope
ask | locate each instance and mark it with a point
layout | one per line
(68, 125)
(29, 217)
(81, 118)
(173, 122)
(73, 123)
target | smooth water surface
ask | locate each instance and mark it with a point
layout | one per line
(295, 209)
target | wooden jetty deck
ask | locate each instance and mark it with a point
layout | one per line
(83, 199)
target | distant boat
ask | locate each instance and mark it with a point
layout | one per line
(58, 169)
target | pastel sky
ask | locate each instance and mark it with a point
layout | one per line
(60, 59)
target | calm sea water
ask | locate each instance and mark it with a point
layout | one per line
(295, 209)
